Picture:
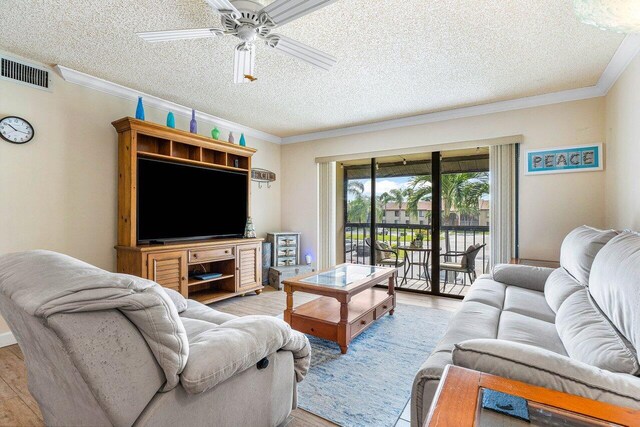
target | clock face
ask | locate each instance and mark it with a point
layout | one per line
(16, 130)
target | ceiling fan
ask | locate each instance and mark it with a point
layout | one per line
(250, 22)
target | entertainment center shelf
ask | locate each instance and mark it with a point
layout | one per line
(173, 265)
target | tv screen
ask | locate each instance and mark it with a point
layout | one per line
(183, 202)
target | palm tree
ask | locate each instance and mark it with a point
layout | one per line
(459, 190)
(419, 189)
(355, 188)
(397, 196)
(358, 210)
(381, 206)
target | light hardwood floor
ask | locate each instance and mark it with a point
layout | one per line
(18, 408)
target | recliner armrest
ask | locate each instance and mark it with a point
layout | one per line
(219, 353)
(544, 368)
(523, 276)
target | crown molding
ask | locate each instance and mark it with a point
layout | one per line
(628, 49)
(458, 113)
(626, 52)
(86, 80)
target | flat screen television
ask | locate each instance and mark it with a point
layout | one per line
(184, 202)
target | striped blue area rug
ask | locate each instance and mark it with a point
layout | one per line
(370, 385)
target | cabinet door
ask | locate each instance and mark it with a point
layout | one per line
(248, 266)
(169, 269)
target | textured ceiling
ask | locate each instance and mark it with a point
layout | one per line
(396, 57)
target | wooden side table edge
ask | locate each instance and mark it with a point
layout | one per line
(456, 404)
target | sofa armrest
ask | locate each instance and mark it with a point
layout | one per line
(523, 276)
(219, 353)
(547, 369)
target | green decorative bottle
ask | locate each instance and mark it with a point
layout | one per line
(215, 133)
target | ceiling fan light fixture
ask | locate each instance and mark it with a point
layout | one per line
(621, 16)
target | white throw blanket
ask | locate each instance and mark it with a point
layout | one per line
(45, 283)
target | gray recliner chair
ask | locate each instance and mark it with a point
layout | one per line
(98, 368)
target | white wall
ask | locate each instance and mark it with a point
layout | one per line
(623, 154)
(550, 205)
(59, 191)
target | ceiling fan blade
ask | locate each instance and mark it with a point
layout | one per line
(224, 7)
(243, 63)
(194, 33)
(283, 11)
(301, 51)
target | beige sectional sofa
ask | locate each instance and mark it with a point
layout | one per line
(575, 329)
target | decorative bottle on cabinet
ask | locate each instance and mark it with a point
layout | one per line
(232, 138)
(140, 109)
(243, 142)
(193, 125)
(171, 120)
(215, 133)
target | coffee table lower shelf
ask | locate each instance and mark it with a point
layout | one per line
(321, 317)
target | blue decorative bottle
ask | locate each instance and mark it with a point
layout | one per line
(140, 109)
(193, 125)
(243, 142)
(171, 120)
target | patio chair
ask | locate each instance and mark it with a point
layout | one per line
(467, 264)
(386, 256)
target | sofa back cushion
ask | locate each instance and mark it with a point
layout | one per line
(558, 287)
(588, 336)
(615, 284)
(580, 248)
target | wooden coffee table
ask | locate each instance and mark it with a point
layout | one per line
(458, 402)
(349, 303)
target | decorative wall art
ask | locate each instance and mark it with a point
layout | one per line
(582, 158)
(262, 176)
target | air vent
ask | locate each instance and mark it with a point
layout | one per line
(21, 72)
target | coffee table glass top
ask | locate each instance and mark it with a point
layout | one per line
(342, 276)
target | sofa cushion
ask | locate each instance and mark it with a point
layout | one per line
(486, 291)
(544, 368)
(528, 303)
(195, 327)
(219, 352)
(524, 276)
(589, 337)
(615, 285)
(559, 286)
(196, 310)
(178, 300)
(473, 320)
(580, 248)
(529, 330)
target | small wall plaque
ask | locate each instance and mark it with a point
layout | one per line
(262, 176)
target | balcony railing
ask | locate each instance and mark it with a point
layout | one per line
(452, 239)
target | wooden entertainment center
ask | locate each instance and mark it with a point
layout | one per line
(238, 260)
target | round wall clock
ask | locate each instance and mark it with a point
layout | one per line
(16, 130)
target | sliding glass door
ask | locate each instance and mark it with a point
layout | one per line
(464, 212)
(395, 208)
